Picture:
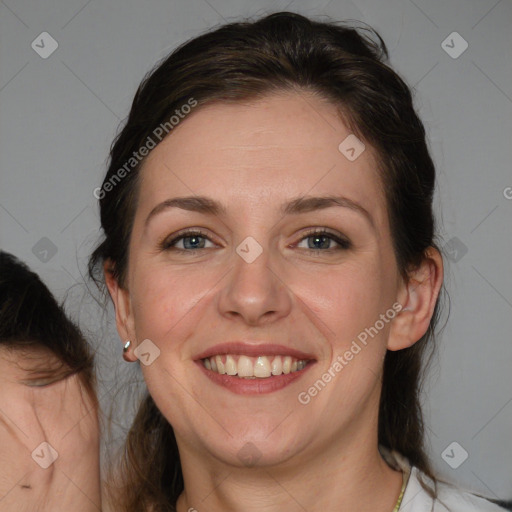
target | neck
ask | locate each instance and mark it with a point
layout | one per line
(335, 478)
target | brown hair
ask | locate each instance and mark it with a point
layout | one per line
(33, 322)
(244, 61)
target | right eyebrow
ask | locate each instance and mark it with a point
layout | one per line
(192, 203)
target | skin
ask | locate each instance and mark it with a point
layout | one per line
(252, 158)
(35, 409)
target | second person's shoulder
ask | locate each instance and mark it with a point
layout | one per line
(442, 497)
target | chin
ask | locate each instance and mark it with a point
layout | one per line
(255, 451)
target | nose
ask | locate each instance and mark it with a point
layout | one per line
(255, 292)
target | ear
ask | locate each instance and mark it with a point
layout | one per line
(418, 297)
(123, 307)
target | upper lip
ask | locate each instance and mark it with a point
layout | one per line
(253, 349)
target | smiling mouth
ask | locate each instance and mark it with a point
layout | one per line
(260, 367)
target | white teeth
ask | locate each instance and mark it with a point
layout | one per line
(287, 365)
(220, 365)
(253, 367)
(245, 368)
(231, 368)
(262, 367)
(277, 366)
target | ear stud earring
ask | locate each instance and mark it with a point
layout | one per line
(126, 346)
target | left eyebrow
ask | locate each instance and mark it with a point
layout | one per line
(308, 204)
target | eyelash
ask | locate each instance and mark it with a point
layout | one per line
(40, 383)
(343, 244)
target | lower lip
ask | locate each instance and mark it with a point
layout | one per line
(257, 386)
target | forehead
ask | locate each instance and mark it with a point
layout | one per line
(286, 143)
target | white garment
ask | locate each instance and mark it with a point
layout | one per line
(449, 497)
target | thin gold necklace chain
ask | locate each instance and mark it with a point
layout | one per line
(405, 479)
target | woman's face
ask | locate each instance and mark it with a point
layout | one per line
(256, 287)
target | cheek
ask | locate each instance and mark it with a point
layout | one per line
(161, 298)
(349, 303)
(346, 299)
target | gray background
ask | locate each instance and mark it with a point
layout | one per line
(58, 116)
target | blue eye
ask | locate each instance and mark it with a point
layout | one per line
(191, 240)
(320, 240)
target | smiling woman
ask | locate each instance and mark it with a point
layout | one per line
(287, 217)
